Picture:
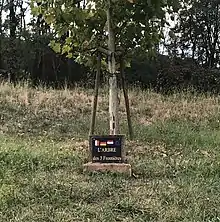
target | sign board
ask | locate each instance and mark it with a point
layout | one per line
(107, 149)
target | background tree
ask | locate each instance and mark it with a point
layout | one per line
(197, 31)
(76, 30)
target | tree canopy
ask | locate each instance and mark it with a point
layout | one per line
(80, 26)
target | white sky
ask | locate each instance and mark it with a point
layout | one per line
(27, 13)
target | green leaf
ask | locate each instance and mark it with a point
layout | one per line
(69, 40)
(79, 59)
(75, 44)
(70, 55)
(35, 10)
(55, 46)
(66, 49)
(49, 18)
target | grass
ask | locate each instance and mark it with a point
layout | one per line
(175, 158)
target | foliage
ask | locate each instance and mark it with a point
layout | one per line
(179, 75)
(25, 54)
(197, 31)
(136, 26)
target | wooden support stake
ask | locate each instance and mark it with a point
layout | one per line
(124, 87)
(95, 100)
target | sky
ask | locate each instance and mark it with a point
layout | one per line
(28, 13)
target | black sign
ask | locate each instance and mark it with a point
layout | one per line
(107, 149)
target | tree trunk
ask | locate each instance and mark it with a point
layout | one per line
(1, 36)
(13, 20)
(12, 60)
(113, 88)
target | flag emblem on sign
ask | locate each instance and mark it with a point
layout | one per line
(103, 144)
(96, 142)
(110, 142)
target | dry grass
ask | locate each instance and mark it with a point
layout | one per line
(147, 106)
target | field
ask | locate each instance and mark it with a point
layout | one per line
(175, 158)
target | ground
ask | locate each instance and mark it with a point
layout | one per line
(175, 158)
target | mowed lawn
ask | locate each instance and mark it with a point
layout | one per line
(175, 158)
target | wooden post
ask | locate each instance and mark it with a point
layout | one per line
(113, 88)
(124, 87)
(95, 100)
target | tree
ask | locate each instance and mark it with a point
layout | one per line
(1, 33)
(135, 25)
(12, 27)
(198, 31)
(130, 25)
